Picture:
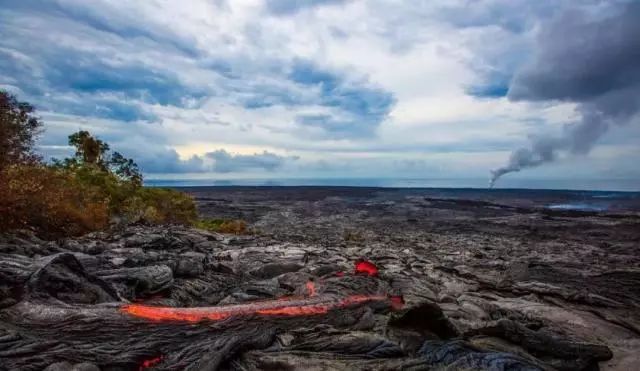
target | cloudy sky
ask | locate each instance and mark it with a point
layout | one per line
(234, 89)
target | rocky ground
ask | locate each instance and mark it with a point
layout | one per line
(487, 283)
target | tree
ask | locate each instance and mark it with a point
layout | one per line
(94, 152)
(89, 150)
(19, 128)
(125, 168)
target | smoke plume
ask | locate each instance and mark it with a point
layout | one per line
(590, 60)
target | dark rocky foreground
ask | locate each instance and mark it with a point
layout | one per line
(486, 285)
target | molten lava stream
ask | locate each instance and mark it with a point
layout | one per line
(289, 307)
(286, 306)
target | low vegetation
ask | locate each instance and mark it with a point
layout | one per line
(235, 226)
(90, 191)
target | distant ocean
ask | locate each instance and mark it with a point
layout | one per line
(628, 185)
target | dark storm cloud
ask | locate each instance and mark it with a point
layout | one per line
(580, 58)
(590, 60)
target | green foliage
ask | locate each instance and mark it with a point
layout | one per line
(18, 129)
(222, 225)
(125, 168)
(120, 181)
(158, 206)
(89, 150)
(92, 152)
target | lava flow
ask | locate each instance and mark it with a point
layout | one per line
(286, 306)
(289, 307)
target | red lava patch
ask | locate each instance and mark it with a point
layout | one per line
(150, 363)
(366, 267)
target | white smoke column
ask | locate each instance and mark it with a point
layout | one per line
(592, 62)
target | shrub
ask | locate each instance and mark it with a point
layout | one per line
(57, 202)
(51, 202)
(119, 179)
(223, 226)
(160, 206)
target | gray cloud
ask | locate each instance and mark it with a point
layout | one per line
(71, 76)
(224, 162)
(588, 60)
(162, 160)
(219, 161)
(282, 7)
(362, 105)
(512, 15)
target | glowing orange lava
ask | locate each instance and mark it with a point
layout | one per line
(295, 311)
(289, 307)
(173, 314)
(366, 267)
(285, 306)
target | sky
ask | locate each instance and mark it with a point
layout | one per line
(232, 89)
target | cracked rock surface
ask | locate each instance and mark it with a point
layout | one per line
(486, 285)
